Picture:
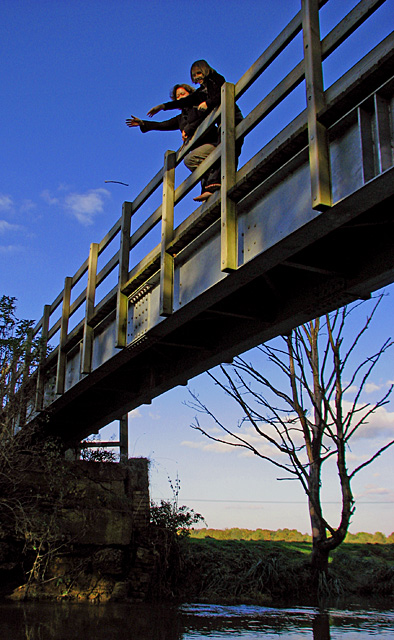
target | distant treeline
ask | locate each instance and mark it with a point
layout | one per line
(287, 535)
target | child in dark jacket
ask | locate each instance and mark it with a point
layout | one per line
(206, 98)
(187, 122)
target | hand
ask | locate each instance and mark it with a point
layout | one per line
(155, 110)
(133, 122)
(203, 106)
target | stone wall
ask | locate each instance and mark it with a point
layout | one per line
(108, 502)
(105, 551)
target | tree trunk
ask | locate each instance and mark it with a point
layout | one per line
(319, 565)
(319, 559)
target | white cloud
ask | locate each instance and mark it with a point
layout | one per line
(85, 206)
(6, 227)
(379, 424)
(263, 447)
(46, 196)
(352, 389)
(370, 387)
(208, 445)
(11, 248)
(135, 413)
(154, 416)
(374, 491)
(27, 205)
(6, 202)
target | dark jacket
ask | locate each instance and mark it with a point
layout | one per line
(210, 92)
(188, 121)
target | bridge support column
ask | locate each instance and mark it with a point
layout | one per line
(124, 437)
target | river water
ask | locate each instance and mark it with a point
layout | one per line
(44, 621)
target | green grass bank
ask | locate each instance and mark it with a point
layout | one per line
(264, 572)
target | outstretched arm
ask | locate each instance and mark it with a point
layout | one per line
(192, 100)
(155, 110)
(167, 125)
(134, 122)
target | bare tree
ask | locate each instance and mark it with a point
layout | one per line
(305, 419)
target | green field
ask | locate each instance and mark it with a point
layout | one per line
(285, 535)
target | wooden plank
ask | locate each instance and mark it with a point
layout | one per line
(122, 301)
(87, 341)
(291, 30)
(346, 27)
(167, 233)
(61, 358)
(228, 257)
(383, 132)
(366, 144)
(319, 159)
(148, 190)
(111, 235)
(39, 400)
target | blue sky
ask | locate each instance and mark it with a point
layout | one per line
(71, 73)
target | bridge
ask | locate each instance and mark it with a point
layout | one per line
(302, 228)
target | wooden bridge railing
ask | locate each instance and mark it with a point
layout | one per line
(117, 299)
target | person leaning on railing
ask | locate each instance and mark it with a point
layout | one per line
(206, 98)
(187, 121)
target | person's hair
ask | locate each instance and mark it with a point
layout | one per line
(174, 89)
(201, 65)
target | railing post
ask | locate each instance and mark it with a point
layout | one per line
(43, 354)
(319, 158)
(124, 437)
(383, 133)
(61, 356)
(167, 233)
(11, 419)
(122, 300)
(228, 259)
(25, 378)
(87, 342)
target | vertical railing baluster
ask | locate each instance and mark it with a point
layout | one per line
(25, 377)
(124, 437)
(61, 356)
(383, 133)
(87, 342)
(319, 159)
(229, 258)
(167, 234)
(11, 417)
(122, 300)
(39, 402)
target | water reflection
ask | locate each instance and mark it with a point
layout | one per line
(321, 627)
(83, 621)
(63, 621)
